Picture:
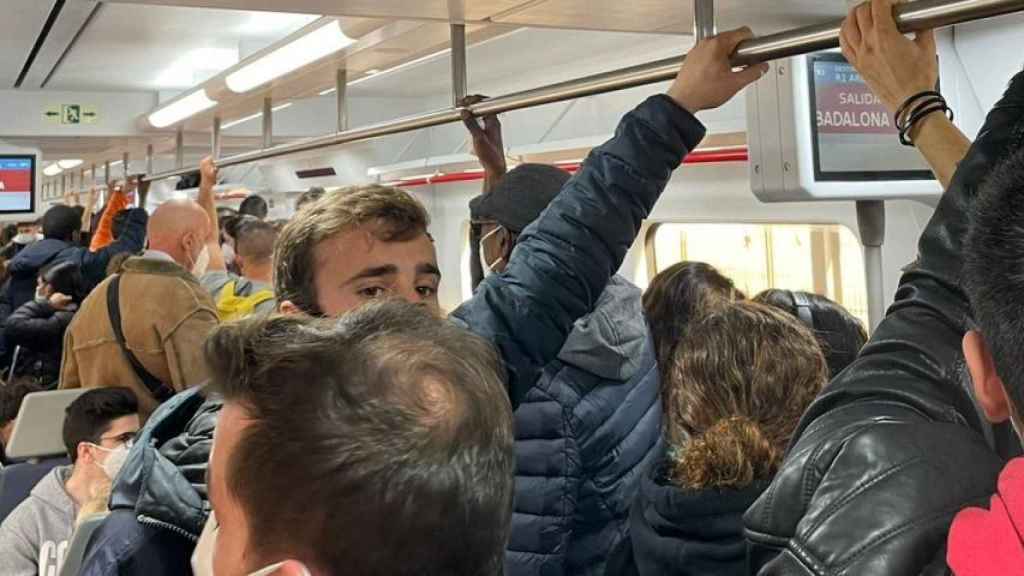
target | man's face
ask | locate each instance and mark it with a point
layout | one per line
(494, 240)
(229, 557)
(355, 267)
(121, 431)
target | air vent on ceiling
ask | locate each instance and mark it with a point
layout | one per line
(316, 173)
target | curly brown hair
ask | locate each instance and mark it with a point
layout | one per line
(740, 379)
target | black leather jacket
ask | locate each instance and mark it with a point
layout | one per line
(895, 446)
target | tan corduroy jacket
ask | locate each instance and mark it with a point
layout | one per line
(165, 315)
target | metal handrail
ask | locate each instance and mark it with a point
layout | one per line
(910, 17)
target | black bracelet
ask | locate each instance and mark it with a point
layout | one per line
(910, 102)
(919, 114)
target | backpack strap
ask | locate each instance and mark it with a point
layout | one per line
(158, 389)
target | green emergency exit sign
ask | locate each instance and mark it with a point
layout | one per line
(71, 114)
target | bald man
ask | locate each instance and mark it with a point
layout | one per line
(165, 315)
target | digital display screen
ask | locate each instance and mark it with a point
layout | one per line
(17, 184)
(855, 137)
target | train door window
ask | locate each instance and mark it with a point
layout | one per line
(824, 259)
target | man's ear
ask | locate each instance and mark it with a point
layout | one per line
(84, 453)
(289, 308)
(988, 386)
(292, 568)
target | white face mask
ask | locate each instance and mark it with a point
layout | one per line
(41, 295)
(202, 558)
(488, 267)
(202, 262)
(229, 253)
(116, 457)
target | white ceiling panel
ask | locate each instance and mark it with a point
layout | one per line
(474, 10)
(131, 47)
(20, 25)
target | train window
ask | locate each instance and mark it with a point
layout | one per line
(825, 259)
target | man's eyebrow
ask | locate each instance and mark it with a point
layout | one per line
(375, 272)
(428, 268)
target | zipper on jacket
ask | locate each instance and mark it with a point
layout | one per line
(145, 520)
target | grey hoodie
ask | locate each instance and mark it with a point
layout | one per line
(34, 538)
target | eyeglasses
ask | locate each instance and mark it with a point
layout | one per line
(127, 439)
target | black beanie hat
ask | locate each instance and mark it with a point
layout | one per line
(60, 222)
(520, 196)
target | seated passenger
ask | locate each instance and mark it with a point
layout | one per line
(679, 295)
(603, 383)
(739, 380)
(896, 445)
(39, 326)
(255, 206)
(11, 395)
(840, 333)
(357, 246)
(99, 428)
(409, 469)
(252, 292)
(165, 316)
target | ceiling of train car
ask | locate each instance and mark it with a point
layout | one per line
(131, 47)
(634, 16)
(19, 29)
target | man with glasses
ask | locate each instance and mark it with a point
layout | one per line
(99, 429)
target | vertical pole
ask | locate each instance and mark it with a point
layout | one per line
(124, 166)
(63, 184)
(106, 172)
(215, 143)
(179, 148)
(871, 221)
(341, 97)
(268, 123)
(149, 159)
(704, 19)
(459, 82)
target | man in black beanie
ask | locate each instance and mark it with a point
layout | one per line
(599, 398)
(61, 226)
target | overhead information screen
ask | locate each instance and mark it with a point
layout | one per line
(854, 136)
(17, 184)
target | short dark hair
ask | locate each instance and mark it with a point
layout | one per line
(395, 423)
(89, 416)
(254, 205)
(678, 295)
(66, 278)
(840, 333)
(11, 395)
(255, 240)
(308, 197)
(993, 272)
(61, 222)
(396, 214)
(119, 223)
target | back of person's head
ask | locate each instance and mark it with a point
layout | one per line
(840, 333)
(520, 196)
(254, 242)
(11, 395)
(179, 228)
(739, 381)
(677, 296)
(255, 206)
(8, 234)
(119, 224)
(89, 417)
(65, 278)
(380, 443)
(234, 223)
(61, 222)
(994, 281)
(393, 215)
(308, 197)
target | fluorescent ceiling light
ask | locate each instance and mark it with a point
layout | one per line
(319, 43)
(52, 170)
(69, 164)
(181, 109)
(254, 116)
(372, 72)
(328, 91)
(116, 162)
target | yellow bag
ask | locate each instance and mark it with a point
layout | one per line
(231, 306)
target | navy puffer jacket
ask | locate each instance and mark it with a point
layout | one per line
(585, 393)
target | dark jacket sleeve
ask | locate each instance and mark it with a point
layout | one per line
(94, 264)
(36, 325)
(564, 259)
(894, 447)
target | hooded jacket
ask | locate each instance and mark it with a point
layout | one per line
(688, 532)
(584, 436)
(895, 446)
(989, 542)
(39, 329)
(159, 504)
(34, 538)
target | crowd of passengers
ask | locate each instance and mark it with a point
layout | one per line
(289, 400)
